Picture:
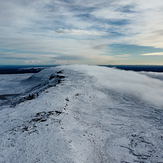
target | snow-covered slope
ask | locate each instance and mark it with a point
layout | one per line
(83, 114)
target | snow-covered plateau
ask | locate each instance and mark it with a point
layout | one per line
(81, 114)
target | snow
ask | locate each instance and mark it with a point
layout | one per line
(8, 83)
(82, 114)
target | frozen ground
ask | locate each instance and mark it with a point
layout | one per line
(82, 114)
(10, 86)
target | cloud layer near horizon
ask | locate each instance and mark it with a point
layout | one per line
(54, 32)
(139, 86)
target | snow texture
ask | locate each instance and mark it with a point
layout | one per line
(81, 114)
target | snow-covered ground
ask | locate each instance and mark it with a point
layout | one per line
(82, 114)
(10, 85)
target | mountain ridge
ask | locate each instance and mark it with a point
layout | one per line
(94, 114)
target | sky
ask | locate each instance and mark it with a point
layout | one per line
(99, 32)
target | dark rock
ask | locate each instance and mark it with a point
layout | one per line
(51, 76)
(58, 112)
(30, 97)
(59, 72)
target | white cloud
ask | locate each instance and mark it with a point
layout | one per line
(151, 38)
(142, 21)
(153, 54)
(155, 75)
(137, 86)
(80, 32)
(59, 27)
(110, 13)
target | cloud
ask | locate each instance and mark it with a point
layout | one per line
(79, 32)
(68, 57)
(152, 54)
(127, 9)
(101, 46)
(111, 13)
(152, 38)
(124, 55)
(80, 28)
(133, 84)
(155, 75)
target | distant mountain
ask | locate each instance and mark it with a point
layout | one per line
(17, 70)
